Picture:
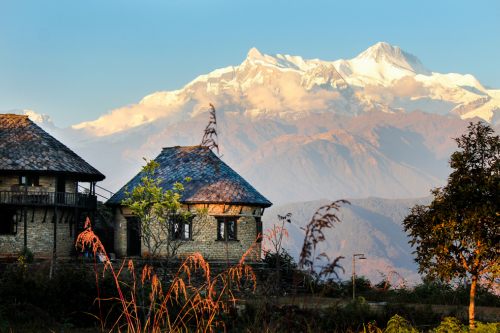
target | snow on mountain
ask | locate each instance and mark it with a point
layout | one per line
(334, 128)
(381, 78)
(384, 53)
(41, 119)
(150, 108)
(284, 62)
(380, 64)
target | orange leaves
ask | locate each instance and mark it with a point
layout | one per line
(87, 239)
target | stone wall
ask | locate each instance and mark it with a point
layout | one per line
(205, 239)
(40, 235)
(46, 184)
(120, 225)
(204, 233)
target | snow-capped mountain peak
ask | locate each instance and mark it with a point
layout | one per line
(383, 52)
(254, 54)
(281, 61)
(388, 59)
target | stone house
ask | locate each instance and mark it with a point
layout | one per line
(233, 208)
(40, 206)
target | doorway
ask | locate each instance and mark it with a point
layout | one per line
(60, 190)
(133, 236)
(8, 221)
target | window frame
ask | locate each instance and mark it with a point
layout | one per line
(180, 235)
(29, 180)
(223, 223)
(259, 229)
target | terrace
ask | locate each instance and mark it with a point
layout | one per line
(44, 199)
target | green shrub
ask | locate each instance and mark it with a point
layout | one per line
(450, 325)
(26, 256)
(398, 324)
(487, 328)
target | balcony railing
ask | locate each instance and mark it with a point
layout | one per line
(63, 199)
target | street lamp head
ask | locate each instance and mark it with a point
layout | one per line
(354, 256)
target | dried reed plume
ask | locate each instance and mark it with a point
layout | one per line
(324, 217)
(210, 138)
(187, 303)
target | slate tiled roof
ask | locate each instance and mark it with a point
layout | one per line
(212, 180)
(24, 146)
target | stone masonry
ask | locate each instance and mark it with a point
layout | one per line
(40, 231)
(204, 234)
(40, 236)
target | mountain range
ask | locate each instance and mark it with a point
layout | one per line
(378, 125)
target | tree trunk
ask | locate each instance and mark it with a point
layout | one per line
(472, 296)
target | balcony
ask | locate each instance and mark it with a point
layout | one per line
(44, 199)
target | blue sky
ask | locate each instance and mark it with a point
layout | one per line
(75, 60)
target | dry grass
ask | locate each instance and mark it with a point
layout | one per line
(324, 218)
(193, 300)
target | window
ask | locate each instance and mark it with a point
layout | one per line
(29, 180)
(8, 223)
(258, 226)
(181, 227)
(226, 228)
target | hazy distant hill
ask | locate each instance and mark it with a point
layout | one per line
(371, 226)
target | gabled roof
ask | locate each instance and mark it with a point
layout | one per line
(24, 146)
(212, 180)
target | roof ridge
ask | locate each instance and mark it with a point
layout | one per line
(13, 114)
(176, 147)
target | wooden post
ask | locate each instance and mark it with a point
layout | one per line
(54, 249)
(25, 218)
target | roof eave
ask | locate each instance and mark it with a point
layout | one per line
(236, 203)
(80, 176)
(253, 204)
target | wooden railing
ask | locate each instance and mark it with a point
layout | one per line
(25, 198)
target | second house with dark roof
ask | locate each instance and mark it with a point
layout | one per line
(233, 208)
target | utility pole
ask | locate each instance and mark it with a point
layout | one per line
(354, 256)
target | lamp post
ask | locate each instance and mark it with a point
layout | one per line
(354, 256)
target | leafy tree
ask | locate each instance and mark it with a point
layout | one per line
(157, 210)
(458, 234)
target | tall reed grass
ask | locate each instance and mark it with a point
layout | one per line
(193, 299)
